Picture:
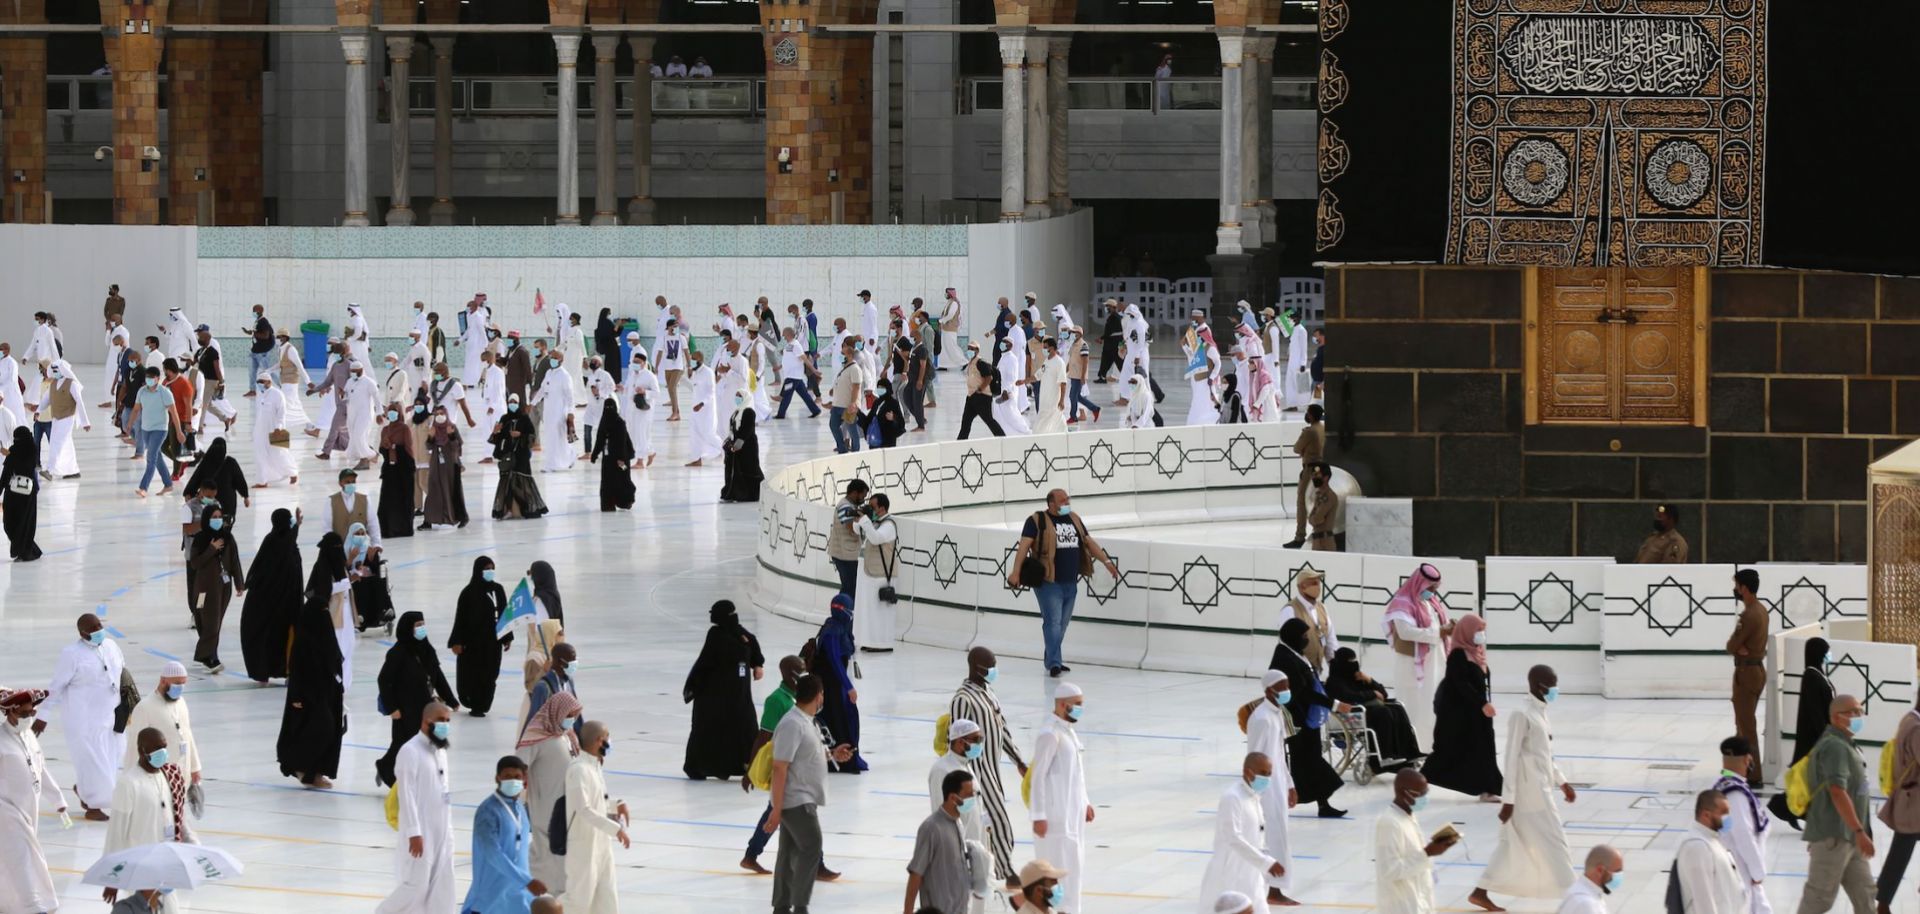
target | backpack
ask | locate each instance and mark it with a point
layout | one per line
(940, 734)
(1799, 792)
(1676, 902)
(557, 828)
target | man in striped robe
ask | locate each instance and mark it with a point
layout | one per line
(975, 701)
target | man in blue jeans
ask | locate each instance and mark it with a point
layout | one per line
(795, 368)
(1067, 552)
(153, 419)
(843, 403)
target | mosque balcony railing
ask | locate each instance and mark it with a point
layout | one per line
(1110, 93)
(520, 96)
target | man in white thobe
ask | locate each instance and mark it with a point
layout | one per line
(177, 336)
(398, 384)
(600, 388)
(594, 822)
(143, 810)
(1709, 881)
(10, 390)
(949, 331)
(1009, 403)
(361, 399)
(1296, 384)
(873, 620)
(359, 338)
(965, 743)
(1402, 853)
(86, 681)
(67, 407)
(25, 883)
(291, 377)
(1267, 736)
(165, 709)
(1060, 809)
(1532, 859)
(1203, 367)
(1240, 863)
(1053, 406)
(42, 347)
(1588, 894)
(555, 398)
(419, 360)
(1746, 835)
(424, 858)
(118, 339)
(703, 434)
(869, 318)
(474, 340)
(493, 394)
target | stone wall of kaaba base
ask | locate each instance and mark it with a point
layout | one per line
(1812, 376)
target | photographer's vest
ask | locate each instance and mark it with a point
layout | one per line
(60, 402)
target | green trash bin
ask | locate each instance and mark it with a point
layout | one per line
(313, 343)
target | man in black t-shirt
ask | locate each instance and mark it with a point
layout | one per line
(263, 346)
(1066, 552)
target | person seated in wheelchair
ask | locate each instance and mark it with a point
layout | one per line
(365, 567)
(1386, 717)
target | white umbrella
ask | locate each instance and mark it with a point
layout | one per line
(167, 865)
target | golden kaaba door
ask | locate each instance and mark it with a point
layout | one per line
(1616, 345)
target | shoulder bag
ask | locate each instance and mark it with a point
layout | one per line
(1033, 569)
(887, 593)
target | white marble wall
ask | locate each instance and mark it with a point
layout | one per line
(1382, 526)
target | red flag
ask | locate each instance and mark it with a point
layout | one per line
(539, 301)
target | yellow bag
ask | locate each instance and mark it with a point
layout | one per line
(1026, 787)
(1887, 780)
(940, 734)
(1799, 793)
(760, 773)
(393, 807)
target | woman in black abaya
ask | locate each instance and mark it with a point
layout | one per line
(742, 453)
(410, 679)
(720, 688)
(1810, 721)
(20, 510)
(1313, 779)
(616, 479)
(273, 601)
(476, 649)
(314, 718)
(1385, 717)
(546, 589)
(606, 343)
(397, 476)
(517, 495)
(223, 472)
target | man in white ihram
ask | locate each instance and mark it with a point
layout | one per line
(1588, 893)
(594, 822)
(1060, 809)
(1239, 862)
(86, 681)
(165, 709)
(425, 857)
(1531, 860)
(1710, 883)
(1266, 736)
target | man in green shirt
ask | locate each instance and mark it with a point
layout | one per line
(777, 705)
(1835, 826)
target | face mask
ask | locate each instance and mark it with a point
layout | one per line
(1420, 802)
(567, 723)
(606, 748)
(174, 692)
(487, 575)
(392, 414)
(1428, 595)
(1283, 696)
(739, 401)
(419, 633)
(1736, 594)
(1553, 693)
(356, 542)
(968, 805)
(885, 390)
(512, 343)
(1826, 661)
(418, 409)
(993, 673)
(1057, 897)
(158, 757)
(153, 384)
(1260, 783)
(1613, 883)
(97, 637)
(1726, 824)
(859, 346)
(1063, 510)
(572, 667)
(976, 750)
(555, 363)
(1480, 637)
(216, 523)
(440, 728)
(347, 490)
(440, 418)
(513, 407)
(511, 787)
(1074, 712)
(1857, 724)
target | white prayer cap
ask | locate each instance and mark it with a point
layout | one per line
(173, 669)
(1232, 903)
(1272, 678)
(1067, 690)
(961, 729)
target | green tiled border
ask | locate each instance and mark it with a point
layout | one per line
(328, 243)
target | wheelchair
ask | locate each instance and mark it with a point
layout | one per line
(1350, 747)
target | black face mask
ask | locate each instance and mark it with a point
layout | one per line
(1660, 525)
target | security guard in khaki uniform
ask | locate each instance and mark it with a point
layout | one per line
(1311, 448)
(1748, 645)
(1665, 545)
(1325, 505)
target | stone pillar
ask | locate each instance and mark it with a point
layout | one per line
(1039, 130)
(1057, 107)
(1013, 127)
(606, 156)
(1249, 142)
(238, 179)
(23, 127)
(400, 127)
(354, 44)
(1262, 163)
(441, 213)
(567, 190)
(640, 208)
(189, 149)
(135, 59)
(1227, 235)
(854, 186)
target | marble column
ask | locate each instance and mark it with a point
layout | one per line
(442, 211)
(1227, 235)
(606, 157)
(354, 46)
(1013, 127)
(567, 190)
(400, 126)
(640, 208)
(1039, 130)
(1057, 107)
(1262, 163)
(1249, 142)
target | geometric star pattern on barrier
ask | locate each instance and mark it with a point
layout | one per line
(1034, 465)
(1694, 606)
(1200, 584)
(1101, 461)
(1884, 689)
(1103, 588)
(800, 537)
(973, 471)
(1528, 601)
(946, 561)
(913, 477)
(1829, 607)
(1243, 453)
(1161, 457)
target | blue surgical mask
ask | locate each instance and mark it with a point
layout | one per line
(175, 691)
(1428, 595)
(440, 729)
(573, 666)
(1063, 510)
(216, 523)
(356, 542)
(347, 490)
(513, 407)
(1857, 724)
(976, 750)
(554, 362)
(1074, 712)
(157, 757)
(1420, 802)
(392, 414)
(1480, 637)
(1726, 824)
(99, 636)
(487, 575)
(1613, 882)
(567, 723)
(1826, 661)
(419, 408)
(511, 787)
(993, 673)
(1283, 696)
(419, 633)
(1553, 694)
(968, 805)
(1260, 783)
(859, 345)
(1057, 897)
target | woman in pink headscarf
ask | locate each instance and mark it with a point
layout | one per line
(1263, 403)
(1463, 756)
(1416, 625)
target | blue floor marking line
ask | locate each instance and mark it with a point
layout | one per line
(1629, 758)
(1188, 739)
(699, 824)
(643, 774)
(1602, 826)
(116, 632)
(898, 793)
(365, 746)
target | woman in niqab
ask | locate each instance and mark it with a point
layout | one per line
(396, 475)
(1313, 779)
(606, 343)
(273, 601)
(512, 440)
(720, 688)
(217, 468)
(410, 679)
(1810, 721)
(1385, 717)
(476, 648)
(331, 574)
(314, 717)
(20, 505)
(446, 498)
(213, 570)
(1463, 757)
(831, 659)
(616, 480)
(548, 746)
(742, 453)
(372, 602)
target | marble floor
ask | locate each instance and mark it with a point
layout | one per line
(1160, 746)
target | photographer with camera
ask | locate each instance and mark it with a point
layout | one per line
(874, 600)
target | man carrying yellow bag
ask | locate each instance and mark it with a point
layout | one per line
(760, 770)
